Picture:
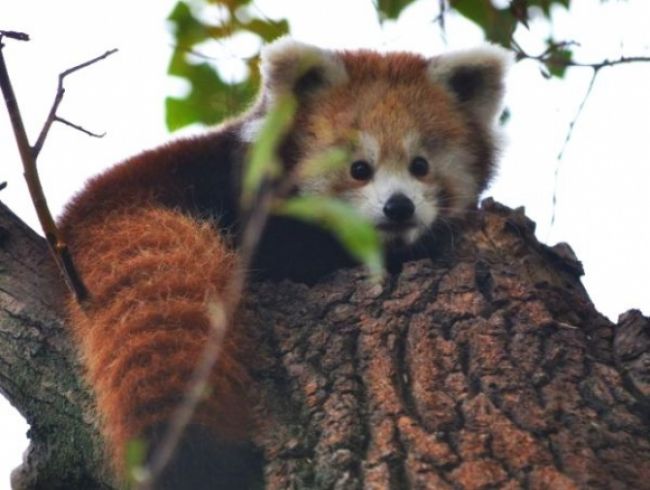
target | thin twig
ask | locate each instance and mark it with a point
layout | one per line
(258, 212)
(567, 139)
(60, 91)
(18, 36)
(195, 391)
(548, 53)
(219, 321)
(547, 56)
(78, 128)
(560, 154)
(440, 18)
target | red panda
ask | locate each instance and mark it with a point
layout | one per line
(155, 237)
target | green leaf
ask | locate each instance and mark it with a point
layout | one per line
(390, 9)
(497, 24)
(263, 162)
(325, 162)
(268, 30)
(232, 5)
(210, 99)
(557, 61)
(356, 234)
(187, 29)
(135, 457)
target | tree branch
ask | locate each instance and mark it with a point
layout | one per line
(567, 139)
(18, 36)
(78, 128)
(60, 92)
(547, 54)
(28, 155)
(486, 368)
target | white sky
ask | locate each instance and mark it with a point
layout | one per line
(603, 182)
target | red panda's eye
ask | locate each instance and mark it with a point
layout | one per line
(361, 170)
(419, 167)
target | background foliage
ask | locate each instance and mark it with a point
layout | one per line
(210, 98)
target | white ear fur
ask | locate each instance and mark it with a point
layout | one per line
(475, 77)
(286, 61)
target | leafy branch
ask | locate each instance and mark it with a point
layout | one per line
(29, 154)
(266, 191)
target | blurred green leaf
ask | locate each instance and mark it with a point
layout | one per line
(356, 234)
(268, 30)
(231, 4)
(328, 161)
(187, 30)
(263, 162)
(390, 9)
(211, 99)
(135, 456)
(497, 24)
(557, 61)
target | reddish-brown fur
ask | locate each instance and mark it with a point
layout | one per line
(388, 96)
(152, 239)
(151, 271)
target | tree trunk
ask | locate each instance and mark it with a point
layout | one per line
(487, 368)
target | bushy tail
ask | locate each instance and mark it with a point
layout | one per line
(152, 274)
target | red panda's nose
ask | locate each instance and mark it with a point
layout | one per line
(399, 208)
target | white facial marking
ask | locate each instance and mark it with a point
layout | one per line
(410, 143)
(453, 165)
(369, 147)
(386, 183)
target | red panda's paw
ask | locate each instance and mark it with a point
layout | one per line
(201, 461)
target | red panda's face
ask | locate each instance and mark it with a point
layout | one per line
(417, 133)
(409, 161)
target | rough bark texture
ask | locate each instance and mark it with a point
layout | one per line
(488, 368)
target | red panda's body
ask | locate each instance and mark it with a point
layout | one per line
(155, 237)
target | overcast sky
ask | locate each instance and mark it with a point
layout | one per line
(601, 184)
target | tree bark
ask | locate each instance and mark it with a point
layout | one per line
(486, 368)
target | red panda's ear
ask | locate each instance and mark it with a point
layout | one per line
(475, 77)
(291, 66)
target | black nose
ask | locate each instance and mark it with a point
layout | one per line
(399, 208)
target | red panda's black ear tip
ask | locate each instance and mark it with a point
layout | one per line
(475, 77)
(290, 65)
(488, 57)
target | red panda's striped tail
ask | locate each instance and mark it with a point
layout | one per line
(153, 275)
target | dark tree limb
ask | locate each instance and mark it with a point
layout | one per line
(489, 368)
(29, 154)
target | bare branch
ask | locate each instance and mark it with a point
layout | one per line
(3, 185)
(567, 139)
(548, 53)
(28, 155)
(60, 91)
(18, 36)
(79, 128)
(547, 57)
(440, 18)
(560, 154)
